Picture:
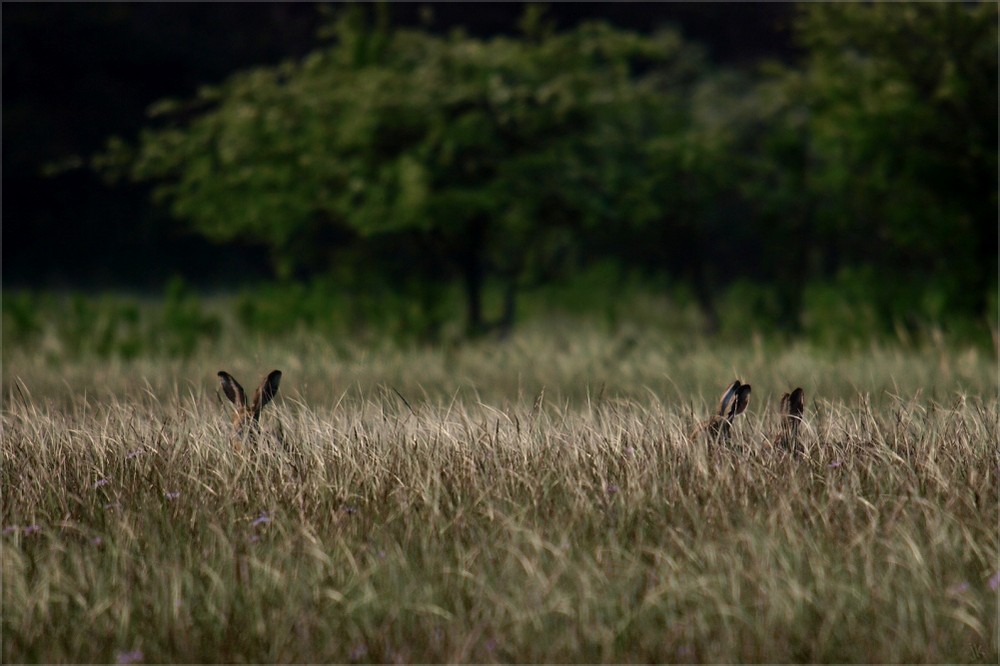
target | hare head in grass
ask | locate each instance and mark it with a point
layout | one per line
(792, 407)
(733, 402)
(246, 418)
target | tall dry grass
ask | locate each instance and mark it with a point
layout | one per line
(532, 500)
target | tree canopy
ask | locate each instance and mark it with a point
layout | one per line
(516, 159)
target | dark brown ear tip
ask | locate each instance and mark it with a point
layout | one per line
(732, 392)
(742, 398)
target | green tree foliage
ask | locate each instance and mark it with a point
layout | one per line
(883, 145)
(488, 156)
(689, 210)
(407, 161)
(874, 156)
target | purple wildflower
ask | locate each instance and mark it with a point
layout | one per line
(612, 488)
(349, 510)
(131, 657)
(102, 482)
(958, 589)
(32, 529)
(254, 538)
(97, 541)
(171, 495)
(835, 464)
(111, 505)
(133, 454)
(995, 581)
(261, 519)
(10, 529)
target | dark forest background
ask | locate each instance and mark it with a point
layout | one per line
(76, 73)
(771, 155)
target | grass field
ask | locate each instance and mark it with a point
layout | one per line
(536, 499)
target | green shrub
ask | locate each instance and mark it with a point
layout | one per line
(182, 322)
(21, 321)
(845, 312)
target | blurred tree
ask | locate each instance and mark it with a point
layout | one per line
(489, 155)
(877, 152)
(420, 160)
(899, 162)
(689, 212)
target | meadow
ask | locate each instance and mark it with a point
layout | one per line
(531, 499)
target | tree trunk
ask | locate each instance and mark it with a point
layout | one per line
(509, 307)
(474, 277)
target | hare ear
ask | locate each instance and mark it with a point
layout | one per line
(742, 399)
(232, 389)
(797, 402)
(726, 402)
(266, 391)
(784, 404)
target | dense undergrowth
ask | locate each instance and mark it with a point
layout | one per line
(182, 320)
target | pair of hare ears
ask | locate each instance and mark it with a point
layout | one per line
(794, 403)
(265, 392)
(734, 400)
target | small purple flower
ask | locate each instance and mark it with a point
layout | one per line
(102, 482)
(96, 541)
(612, 488)
(133, 454)
(349, 509)
(10, 529)
(358, 651)
(131, 657)
(254, 538)
(171, 495)
(958, 588)
(32, 529)
(110, 506)
(835, 464)
(995, 581)
(261, 519)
